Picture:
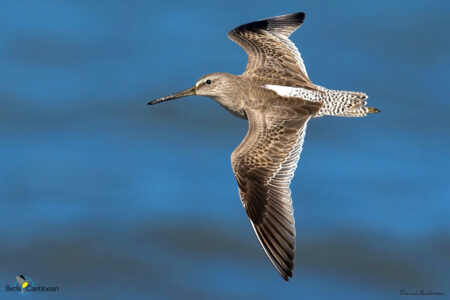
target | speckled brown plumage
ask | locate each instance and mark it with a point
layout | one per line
(264, 164)
(272, 57)
(277, 97)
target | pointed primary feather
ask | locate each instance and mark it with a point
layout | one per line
(272, 57)
(264, 164)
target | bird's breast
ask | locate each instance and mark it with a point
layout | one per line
(233, 106)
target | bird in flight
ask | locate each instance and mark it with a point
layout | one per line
(278, 99)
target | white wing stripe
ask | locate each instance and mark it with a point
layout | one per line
(296, 92)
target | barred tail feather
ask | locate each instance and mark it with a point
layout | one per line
(344, 104)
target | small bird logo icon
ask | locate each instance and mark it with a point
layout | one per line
(23, 282)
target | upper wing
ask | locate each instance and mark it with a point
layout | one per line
(264, 164)
(271, 55)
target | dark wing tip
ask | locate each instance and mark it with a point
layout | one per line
(274, 244)
(254, 26)
(295, 18)
(286, 275)
(285, 24)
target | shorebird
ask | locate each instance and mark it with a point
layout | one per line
(277, 98)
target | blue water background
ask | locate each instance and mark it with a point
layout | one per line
(108, 198)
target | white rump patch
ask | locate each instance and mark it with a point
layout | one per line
(296, 92)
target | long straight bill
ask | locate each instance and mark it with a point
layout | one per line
(184, 93)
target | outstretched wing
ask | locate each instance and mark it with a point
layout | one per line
(272, 57)
(264, 164)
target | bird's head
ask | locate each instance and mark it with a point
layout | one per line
(211, 85)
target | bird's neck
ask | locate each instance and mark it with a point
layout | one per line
(233, 97)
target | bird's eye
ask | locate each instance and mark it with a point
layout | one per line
(208, 81)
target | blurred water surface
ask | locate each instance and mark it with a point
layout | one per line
(108, 198)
